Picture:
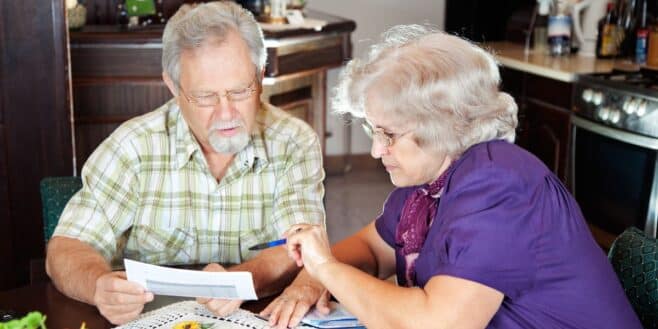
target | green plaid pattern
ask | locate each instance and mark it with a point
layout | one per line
(148, 194)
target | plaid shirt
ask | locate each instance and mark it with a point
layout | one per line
(148, 194)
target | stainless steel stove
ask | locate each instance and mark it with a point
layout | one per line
(614, 151)
(623, 100)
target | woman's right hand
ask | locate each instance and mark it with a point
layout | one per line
(308, 245)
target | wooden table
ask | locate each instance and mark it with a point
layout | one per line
(63, 312)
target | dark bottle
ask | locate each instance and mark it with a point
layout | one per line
(641, 34)
(122, 13)
(629, 12)
(607, 40)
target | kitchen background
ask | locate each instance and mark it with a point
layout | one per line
(62, 92)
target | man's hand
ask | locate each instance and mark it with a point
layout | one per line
(118, 299)
(289, 308)
(220, 307)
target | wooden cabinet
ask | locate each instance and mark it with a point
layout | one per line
(35, 126)
(117, 75)
(544, 117)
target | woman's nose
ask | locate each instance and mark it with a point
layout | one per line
(377, 150)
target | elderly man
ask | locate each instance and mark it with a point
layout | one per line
(198, 180)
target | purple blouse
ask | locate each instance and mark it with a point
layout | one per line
(505, 221)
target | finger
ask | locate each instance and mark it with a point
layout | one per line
(214, 267)
(214, 305)
(203, 300)
(230, 307)
(119, 314)
(287, 309)
(118, 284)
(268, 309)
(223, 307)
(323, 305)
(114, 298)
(298, 313)
(276, 311)
(295, 228)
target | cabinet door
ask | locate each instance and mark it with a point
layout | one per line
(548, 135)
(513, 83)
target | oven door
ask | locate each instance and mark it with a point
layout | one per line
(613, 176)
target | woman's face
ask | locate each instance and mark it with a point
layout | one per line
(407, 163)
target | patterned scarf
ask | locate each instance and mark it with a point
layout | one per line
(417, 216)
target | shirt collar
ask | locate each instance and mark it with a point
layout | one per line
(253, 156)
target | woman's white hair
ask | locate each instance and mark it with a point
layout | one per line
(445, 86)
(192, 26)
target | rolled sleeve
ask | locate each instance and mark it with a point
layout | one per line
(104, 208)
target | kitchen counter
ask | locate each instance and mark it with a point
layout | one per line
(562, 68)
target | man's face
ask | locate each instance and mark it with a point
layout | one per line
(219, 93)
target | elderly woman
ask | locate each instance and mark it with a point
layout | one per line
(479, 232)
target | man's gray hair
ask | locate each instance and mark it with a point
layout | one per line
(191, 26)
(445, 86)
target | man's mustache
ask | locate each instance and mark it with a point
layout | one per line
(221, 125)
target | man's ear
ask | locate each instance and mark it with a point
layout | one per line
(261, 76)
(170, 84)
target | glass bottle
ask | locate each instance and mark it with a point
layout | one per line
(607, 40)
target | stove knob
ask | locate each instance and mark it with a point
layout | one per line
(626, 107)
(604, 113)
(641, 108)
(615, 116)
(633, 105)
(597, 98)
(587, 95)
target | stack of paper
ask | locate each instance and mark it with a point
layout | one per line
(338, 318)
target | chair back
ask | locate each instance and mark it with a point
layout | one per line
(634, 257)
(55, 194)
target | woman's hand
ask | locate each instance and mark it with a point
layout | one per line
(308, 246)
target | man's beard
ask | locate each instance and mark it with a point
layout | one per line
(228, 144)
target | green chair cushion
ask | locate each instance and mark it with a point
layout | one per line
(634, 257)
(55, 194)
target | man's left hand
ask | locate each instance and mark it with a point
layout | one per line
(220, 307)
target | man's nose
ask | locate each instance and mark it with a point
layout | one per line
(224, 110)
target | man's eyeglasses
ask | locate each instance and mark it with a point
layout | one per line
(380, 136)
(213, 99)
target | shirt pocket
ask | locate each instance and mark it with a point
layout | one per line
(161, 245)
(252, 237)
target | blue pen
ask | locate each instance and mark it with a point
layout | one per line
(266, 245)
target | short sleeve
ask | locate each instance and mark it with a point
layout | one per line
(488, 233)
(387, 222)
(105, 206)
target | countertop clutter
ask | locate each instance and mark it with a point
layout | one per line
(562, 68)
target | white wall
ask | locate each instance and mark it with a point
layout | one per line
(372, 17)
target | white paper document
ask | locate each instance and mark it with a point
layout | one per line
(188, 283)
(339, 317)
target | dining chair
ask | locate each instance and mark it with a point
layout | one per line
(55, 194)
(634, 257)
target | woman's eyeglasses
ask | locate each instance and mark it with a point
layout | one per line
(380, 136)
(213, 99)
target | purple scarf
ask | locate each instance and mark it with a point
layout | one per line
(417, 216)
